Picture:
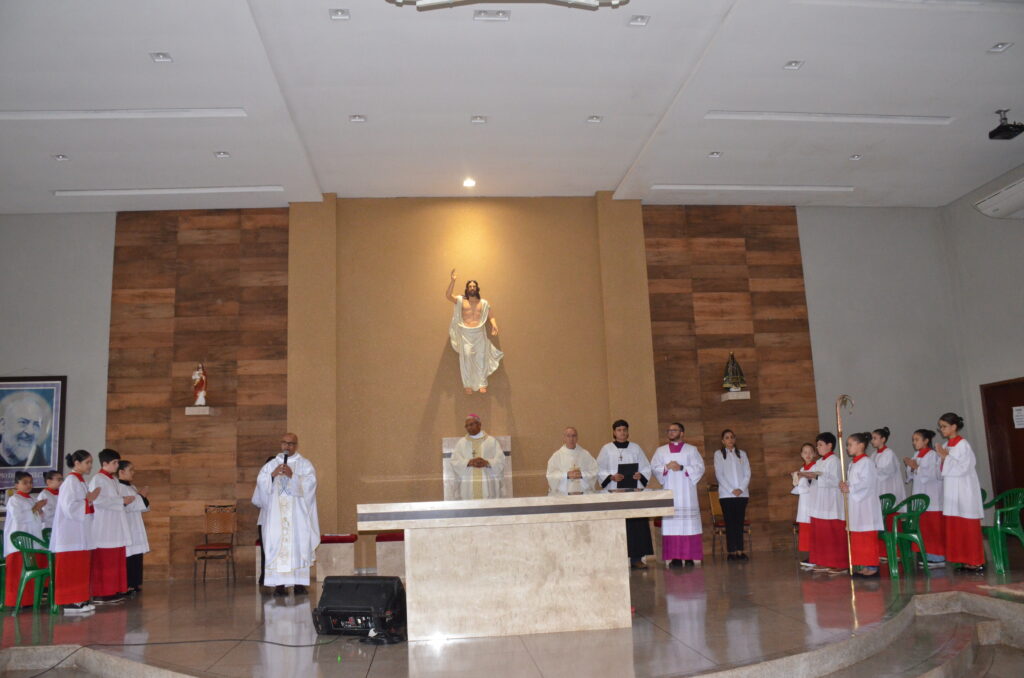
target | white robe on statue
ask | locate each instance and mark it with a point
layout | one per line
(291, 530)
(683, 483)
(478, 358)
(563, 461)
(890, 475)
(478, 483)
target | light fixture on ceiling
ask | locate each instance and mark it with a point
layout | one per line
(808, 116)
(221, 155)
(752, 188)
(582, 4)
(793, 65)
(856, 156)
(60, 157)
(126, 114)
(1000, 47)
(161, 57)
(595, 119)
(492, 15)
(639, 20)
(469, 182)
(203, 190)
(715, 154)
(339, 14)
(478, 119)
(357, 118)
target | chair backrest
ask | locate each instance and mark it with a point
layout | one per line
(221, 520)
(888, 503)
(916, 504)
(1009, 505)
(714, 503)
(28, 544)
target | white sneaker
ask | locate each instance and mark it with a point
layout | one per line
(78, 608)
(936, 563)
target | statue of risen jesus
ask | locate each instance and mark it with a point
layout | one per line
(478, 358)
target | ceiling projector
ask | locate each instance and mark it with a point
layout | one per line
(1005, 130)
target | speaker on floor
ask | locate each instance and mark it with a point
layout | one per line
(363, 606)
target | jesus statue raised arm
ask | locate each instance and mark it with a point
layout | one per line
(478, 358)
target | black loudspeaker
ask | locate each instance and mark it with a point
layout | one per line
(362, 606)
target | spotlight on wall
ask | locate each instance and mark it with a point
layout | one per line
(469, 182)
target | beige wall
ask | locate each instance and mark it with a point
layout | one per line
(557, 288)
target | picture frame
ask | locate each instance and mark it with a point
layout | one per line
(32, 414)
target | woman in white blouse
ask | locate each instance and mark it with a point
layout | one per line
(732, 470)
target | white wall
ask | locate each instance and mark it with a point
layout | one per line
(878, 296)
(55, 310)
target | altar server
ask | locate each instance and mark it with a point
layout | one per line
(291, 531)
(23, 515)
(803, 487)
(138, 540)
(571, 469)
(110, 533)
(828, 515)
(678, 466)
(865, 517)
(732, 471)
(962, 508)
(53, 480)
(71, 541)
(478, 462)
(926, 475)
(890, 471)
(612, 455)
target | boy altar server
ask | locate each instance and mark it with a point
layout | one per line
(110, 532)
(22, 516)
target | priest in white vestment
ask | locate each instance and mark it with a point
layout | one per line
(571, 469)
(478, 358)
(291, 529)
(478, 463)
(678, 466)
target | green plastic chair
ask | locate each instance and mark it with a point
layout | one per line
(1007, 523)
(30, 546)
(47, 531)
(906, 528)
(887, 537)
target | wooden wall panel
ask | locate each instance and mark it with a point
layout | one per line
(195, 286)
(729, 279)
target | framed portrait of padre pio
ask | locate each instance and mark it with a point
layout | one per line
(31, 426)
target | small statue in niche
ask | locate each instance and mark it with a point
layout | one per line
(199, 386)
(733, 379)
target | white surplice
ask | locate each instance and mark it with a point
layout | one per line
(685, 520)
(827, 500)
(110, 522)
(138, 540)
(890, 474)
(804, 490)
(609, 458)
(961, 492)
(72, 523)
(50, 507)
(927, 479)
(732, 473)
(291, 531)
(478, 358)
(865, 507)
(563, 461)
(20, 518)
(478, 483)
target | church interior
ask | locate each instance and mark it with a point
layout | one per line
(642, 189)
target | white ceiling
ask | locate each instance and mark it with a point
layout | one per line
(418, 76)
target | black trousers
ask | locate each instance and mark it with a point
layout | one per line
(734, 510)
(263, 554)
(638, 538)
(133, 568)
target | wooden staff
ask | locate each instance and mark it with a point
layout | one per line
(841, 401)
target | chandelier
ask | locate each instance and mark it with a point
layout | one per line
(587, 4)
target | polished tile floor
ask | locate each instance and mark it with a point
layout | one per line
(687, 621)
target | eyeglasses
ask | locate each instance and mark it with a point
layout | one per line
(289, 442)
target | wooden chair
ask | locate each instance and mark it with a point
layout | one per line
(219, 540)
(718, 522)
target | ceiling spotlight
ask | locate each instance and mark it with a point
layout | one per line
(715, 154)
(639, 20)
(1000, 47)
(469, 182)
(357, 118)
(60, 157)
(793, 65)
(221, 155)
(161, 57)
(339, 14)
(492, 15)
(478, 119)
(856, 156)
(595, 119)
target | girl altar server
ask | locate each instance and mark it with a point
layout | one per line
(926, 475)
(732, 471)
(890, 471)
(962, 509)
(803, 487)
(138, 541)
(71, 541)
(865, 517)
(23, 515)
(828, 515)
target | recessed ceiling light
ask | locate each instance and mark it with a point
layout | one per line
(60, 157)
(221, 155)
(1000, 47)
(639, 20)
(357, 118)
(339, 14)
(469, 182)
(793, 65)
(492, 15)
(161, 57)
(856, 156)
(478, 119)
(595, 119)
(715, 154)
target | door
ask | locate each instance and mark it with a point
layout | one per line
(1005, 438)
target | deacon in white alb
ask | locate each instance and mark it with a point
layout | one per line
(291, 531)
(571, 470)
(478, 462)
(678, 466)
(609, 460)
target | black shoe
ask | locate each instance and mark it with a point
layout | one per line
(743, 556)
(977, 569)
(280, 591)
(676, 562)
(689, 562)
(300, 590)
